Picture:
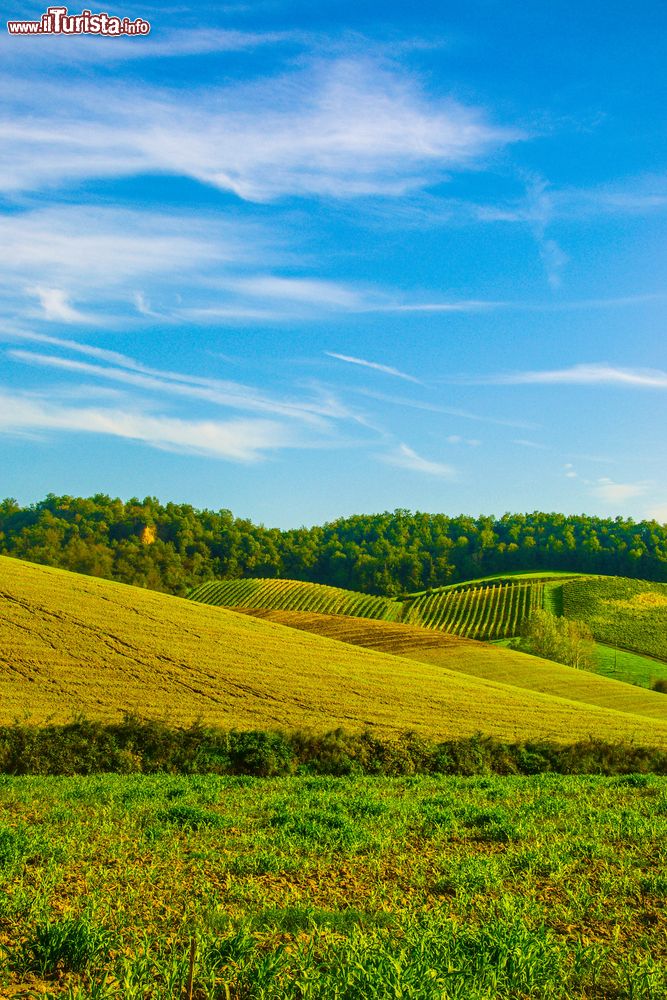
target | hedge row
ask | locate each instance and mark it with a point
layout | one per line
(134, 745)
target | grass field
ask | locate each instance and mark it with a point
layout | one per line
(334, 889)
(485, 661)
(70, 643)
(632, 668)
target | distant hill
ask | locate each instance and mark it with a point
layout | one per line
(175, 547)
(627, 613)
(631, 614)
(70, 643)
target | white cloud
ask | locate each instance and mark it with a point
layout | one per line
(56, 306)
(216, 391)
(79, 247)
(341, 128)
(464, 305)
(405, 458)
(305, 290)
(611, 492)
(584, 374)
(385, 369)
(170, 44)
(237, 440)
(524, 443)
(457, 439)
(417, 404)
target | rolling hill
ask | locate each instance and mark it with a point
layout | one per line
(476, 659)
(621, 612)
(631, 614)
(70, 643)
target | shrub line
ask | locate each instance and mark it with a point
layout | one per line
(133, 745)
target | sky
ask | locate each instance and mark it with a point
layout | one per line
(304, 260)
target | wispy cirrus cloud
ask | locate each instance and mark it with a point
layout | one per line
(55, 305)
(144, 399)
(583, 374)
(374, 365)
(451, 411)
(310, 291)
(405, 457)
(236, 440)
(341, 128)
(77, 247)
(177, 43)
(219, 392)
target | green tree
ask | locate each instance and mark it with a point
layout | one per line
(561, 639)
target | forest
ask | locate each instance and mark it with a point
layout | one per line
(174, 547)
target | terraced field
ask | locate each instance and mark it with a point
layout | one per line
(74, 644)
(481, 660)
(297, 596)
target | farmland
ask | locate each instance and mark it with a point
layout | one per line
(488, 611)
(620, 612)
(296, 596)
(70, 644)
(468, 889)
(481, 660)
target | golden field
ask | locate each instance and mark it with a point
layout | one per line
(74, 644)
(478, 659)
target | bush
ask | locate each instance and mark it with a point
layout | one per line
(150, 747)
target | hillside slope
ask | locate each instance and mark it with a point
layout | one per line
(73, 643)
(622, 612)
(477, 659)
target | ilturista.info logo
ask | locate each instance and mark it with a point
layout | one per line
(58, 21)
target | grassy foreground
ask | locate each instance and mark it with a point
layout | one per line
(70, 643)
(433, 887)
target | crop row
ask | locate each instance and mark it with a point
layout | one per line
(293, 595)
(485, 612)
(631, 614)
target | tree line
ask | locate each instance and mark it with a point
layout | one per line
(173, 547)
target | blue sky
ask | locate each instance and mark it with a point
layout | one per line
(305, 260)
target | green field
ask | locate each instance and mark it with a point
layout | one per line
(296, 596)
(631, 668)
(488, 611)
(620, 612)
(484, 612)
(334, 889)
(631, 614)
